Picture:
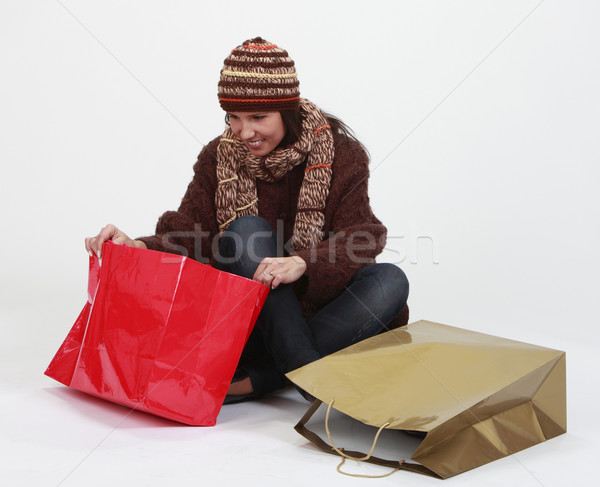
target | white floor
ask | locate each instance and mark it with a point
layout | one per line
(51, 435)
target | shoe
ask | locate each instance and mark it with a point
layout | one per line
(240, 374)
(236, 398)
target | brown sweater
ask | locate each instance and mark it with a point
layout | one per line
(353, 235)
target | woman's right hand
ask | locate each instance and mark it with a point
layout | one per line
(112, 233)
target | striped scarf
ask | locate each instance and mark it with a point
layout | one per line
(237, 170)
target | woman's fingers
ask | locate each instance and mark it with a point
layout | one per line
(273, 271)
(258, 274)
(277, 280)
(109, 232)
(91, 245)
(267, 269)
(105, 234)
(284, 274)
(263, 272)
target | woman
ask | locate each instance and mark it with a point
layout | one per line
(281, 198)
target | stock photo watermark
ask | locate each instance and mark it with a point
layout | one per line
(358, 246)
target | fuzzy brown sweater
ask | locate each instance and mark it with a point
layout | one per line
(353, 235)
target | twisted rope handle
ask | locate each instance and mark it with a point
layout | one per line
(358, 459)
(362, 476)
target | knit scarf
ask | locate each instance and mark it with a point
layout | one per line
(237, 170)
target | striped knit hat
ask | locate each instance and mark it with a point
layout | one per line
(256, 76)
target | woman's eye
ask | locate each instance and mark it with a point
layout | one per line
(258, 117)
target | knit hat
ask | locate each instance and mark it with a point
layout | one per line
(257, 76)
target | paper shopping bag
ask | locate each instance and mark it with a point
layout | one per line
(475, 397)
(159, 333)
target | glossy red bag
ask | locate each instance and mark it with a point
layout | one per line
(159, 333)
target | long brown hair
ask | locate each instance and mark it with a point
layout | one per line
(293, 127)
(293, 124)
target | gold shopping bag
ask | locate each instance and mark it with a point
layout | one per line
(475, 397)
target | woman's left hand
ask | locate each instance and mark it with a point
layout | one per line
(273, 271)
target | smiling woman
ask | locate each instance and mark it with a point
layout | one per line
(262, 132)
(281, 197)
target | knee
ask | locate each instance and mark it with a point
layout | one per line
(244, 244)
(392, 282)
(245, 232)
(248, 225)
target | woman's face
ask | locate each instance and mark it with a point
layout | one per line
(260, 131)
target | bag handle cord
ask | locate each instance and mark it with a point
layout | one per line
(358, 459)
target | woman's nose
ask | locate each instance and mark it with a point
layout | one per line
(246, 131)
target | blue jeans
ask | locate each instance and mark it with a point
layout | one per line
(282, 340)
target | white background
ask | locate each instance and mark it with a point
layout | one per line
(482, 121)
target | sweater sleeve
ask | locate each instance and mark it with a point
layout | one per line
(189, 231)
(355, 235)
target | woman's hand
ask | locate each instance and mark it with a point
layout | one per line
(112, 233)
(273, 271)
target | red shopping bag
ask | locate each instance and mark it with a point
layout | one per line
(159, 333)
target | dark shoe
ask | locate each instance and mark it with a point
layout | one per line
(235, 398)
(240, 374)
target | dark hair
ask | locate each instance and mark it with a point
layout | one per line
(293, 127)
(293, 124)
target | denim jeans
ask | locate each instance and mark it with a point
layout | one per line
(282, 340)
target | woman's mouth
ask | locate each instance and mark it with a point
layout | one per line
(254, 144)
